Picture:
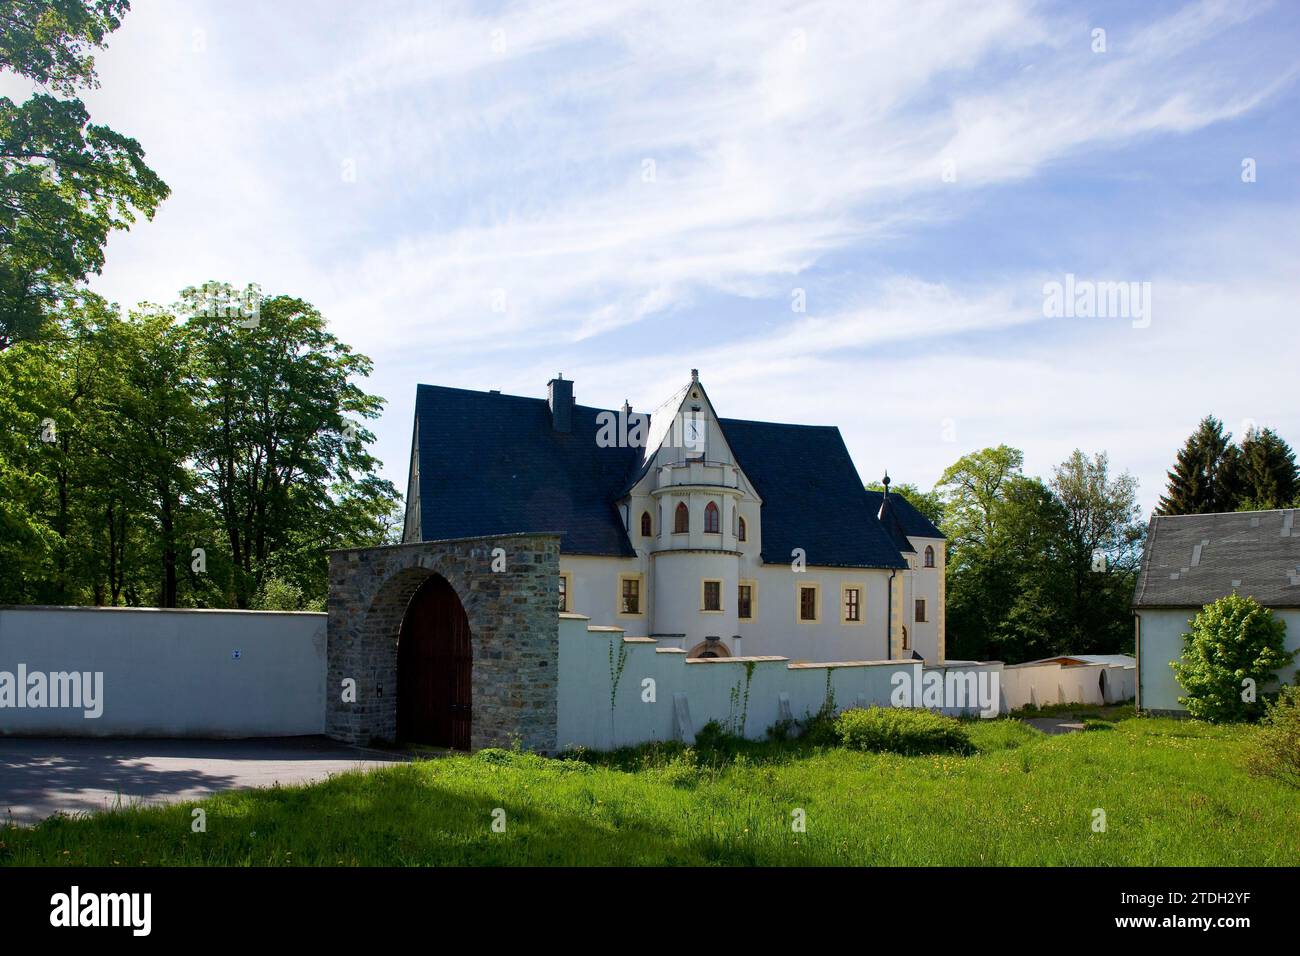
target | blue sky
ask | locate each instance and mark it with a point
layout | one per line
(463, 190)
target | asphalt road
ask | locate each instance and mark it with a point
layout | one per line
(41, 776)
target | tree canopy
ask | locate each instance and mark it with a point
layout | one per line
(180, 456)
(65, 182)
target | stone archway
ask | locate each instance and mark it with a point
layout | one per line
(708, 648)
(514, 634)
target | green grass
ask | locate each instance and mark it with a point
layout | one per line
(1174, 791)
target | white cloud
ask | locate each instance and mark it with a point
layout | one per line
(784, 136)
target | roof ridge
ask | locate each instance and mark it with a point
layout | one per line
(1223, 514)
(755, 421)
(496, 393)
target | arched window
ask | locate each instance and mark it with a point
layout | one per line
(711, 518)
(929, 556)
(646, 526)
(740, 530)
(681, 519)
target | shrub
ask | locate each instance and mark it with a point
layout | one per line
(782, 730)
(901, 730)
(714, 737)
(1231, 641)
(1275, 751)
(819, 729)
(277, 594)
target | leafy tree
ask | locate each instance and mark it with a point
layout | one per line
(65, 183)
(1203, 477)
(1265, 472)
(1101, 545)
(128, 442)
(50, 41)
(1038, 569)
(284, 430)
(972, 489)
(1234, 646)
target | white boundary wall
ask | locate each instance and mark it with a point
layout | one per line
(689, 693)
(1041, 684)
(171, 673)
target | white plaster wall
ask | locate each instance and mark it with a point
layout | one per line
(1051, 683)
(173, 673)
(925, 585)
(777, 629)
(671, 597)
(678, 601)
(585, 688)
(1160, 642)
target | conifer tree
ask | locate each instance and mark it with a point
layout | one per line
(1266, 473)
(1202, 479)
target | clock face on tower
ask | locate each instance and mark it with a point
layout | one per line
(693, 434)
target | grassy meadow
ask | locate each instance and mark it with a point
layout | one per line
(1174, 792)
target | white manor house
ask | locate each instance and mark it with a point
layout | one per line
(721, 536)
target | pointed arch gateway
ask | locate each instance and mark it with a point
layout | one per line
(434, 669)
(426, 642)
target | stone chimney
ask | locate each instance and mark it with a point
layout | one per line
(559, 396)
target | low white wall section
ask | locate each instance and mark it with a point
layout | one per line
(1042, 684)
(166, 673)
(616, 691)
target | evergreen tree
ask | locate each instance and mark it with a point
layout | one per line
(1203, 477)
(1266, 472)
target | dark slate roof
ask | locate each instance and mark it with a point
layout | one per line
(1192, 560)
(492, 464)
(812, 495)
(908, 518)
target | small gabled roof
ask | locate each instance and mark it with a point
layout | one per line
(812, 496)
(1193, 560)
(912, 522)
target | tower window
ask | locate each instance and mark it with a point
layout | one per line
(681, 519)
(740, 530)
(920, 610)
(929, 556)
(711, 518)
(646, 526)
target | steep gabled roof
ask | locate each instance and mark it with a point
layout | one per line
(1192, 560)
(492, 464)
(812, 496)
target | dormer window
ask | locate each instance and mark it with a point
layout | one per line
(929, 556)
(681, 519)
(711, 525)
(740, 530)
(646, 526)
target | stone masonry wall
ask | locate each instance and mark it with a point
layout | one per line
(513, 622)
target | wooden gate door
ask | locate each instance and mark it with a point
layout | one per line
(434, 662)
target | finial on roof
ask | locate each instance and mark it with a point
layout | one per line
(695, 375)
(886, 481)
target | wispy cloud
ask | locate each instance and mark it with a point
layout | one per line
(474, 194)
